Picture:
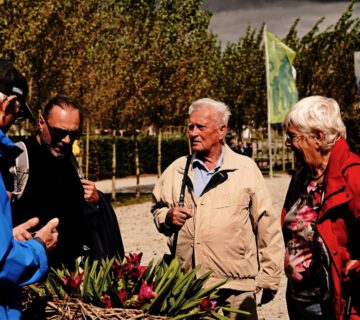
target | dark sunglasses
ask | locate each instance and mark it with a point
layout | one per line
(58, 134)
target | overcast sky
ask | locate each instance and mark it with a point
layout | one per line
(230, 17)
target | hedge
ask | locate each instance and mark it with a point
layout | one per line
(100, 155)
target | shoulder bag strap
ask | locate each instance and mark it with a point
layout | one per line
(181, 202)
(182, 190)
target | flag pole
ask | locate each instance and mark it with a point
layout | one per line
(268, 103)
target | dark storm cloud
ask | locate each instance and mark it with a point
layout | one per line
(221, 5)
(231, 17)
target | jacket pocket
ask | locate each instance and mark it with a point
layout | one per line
(237, 199)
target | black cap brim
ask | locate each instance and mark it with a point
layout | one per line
(26, 111)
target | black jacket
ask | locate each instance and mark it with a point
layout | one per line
(54, 190)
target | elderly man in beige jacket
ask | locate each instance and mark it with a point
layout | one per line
(227, 223)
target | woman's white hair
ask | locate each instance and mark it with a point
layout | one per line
(221, 110)
(316, 114)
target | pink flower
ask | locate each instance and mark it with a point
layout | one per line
(106, 301)
(297, 263)
(146, 292)
(207, 305)
(312, 186)
(306, 214)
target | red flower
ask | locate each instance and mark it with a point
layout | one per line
(106, 301)
(207, 305)
(142, 270)
(131, 270)
(146, 292)
(122, 295)
(135, 271)
(120, 271)
(134, 258)
(72, 283)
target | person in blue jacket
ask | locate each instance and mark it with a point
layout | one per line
(21, 262)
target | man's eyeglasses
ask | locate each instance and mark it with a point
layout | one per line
(59, 134)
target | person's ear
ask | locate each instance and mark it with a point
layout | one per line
(319, 139)
(41, 123)
(223, 131)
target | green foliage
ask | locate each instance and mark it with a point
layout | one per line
(352, 122)
(242, 81)
(159, 289)
(100, 155)
(138, 63)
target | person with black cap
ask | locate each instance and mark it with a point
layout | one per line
(21, 262)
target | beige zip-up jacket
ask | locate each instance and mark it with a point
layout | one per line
(234, 231)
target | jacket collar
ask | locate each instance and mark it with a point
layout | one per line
(229, 164)
(336, 192)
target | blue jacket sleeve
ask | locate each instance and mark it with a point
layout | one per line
(21, 263)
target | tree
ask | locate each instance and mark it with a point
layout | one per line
(242, 81)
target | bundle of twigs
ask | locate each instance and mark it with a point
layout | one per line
(75, 309)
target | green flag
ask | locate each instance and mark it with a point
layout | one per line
(281, 82)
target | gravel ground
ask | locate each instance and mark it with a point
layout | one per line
(140, 235)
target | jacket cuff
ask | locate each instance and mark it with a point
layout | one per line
(40, 250)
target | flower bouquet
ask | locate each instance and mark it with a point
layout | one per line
(114, 289)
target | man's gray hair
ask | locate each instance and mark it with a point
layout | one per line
(221, 109)
(313, 114)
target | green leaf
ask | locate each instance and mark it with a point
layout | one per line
(205, 292)
(219, 316)
(236, 311)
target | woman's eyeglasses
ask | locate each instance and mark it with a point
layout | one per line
(291, 138)
(59, 134)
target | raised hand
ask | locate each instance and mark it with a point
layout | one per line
(48, 234)
(21, 232)
(90, 193)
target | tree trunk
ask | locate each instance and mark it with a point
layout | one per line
(87, 148)
(283, 151)
(159, 158)
(137, 164)
(275, 146)
(113, 181)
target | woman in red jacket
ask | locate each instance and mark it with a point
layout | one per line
(321, 215)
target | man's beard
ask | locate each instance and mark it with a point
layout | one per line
(65, 148)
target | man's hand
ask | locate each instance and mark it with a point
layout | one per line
(267, 295)
(90, 193)
(48, 234)
(21, 232)
(177, 216)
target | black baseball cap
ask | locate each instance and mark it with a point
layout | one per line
(12, 82)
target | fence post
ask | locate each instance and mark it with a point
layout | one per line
(87, 148)
(113, 182)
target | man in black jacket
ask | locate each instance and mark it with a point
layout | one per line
(55, 188)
